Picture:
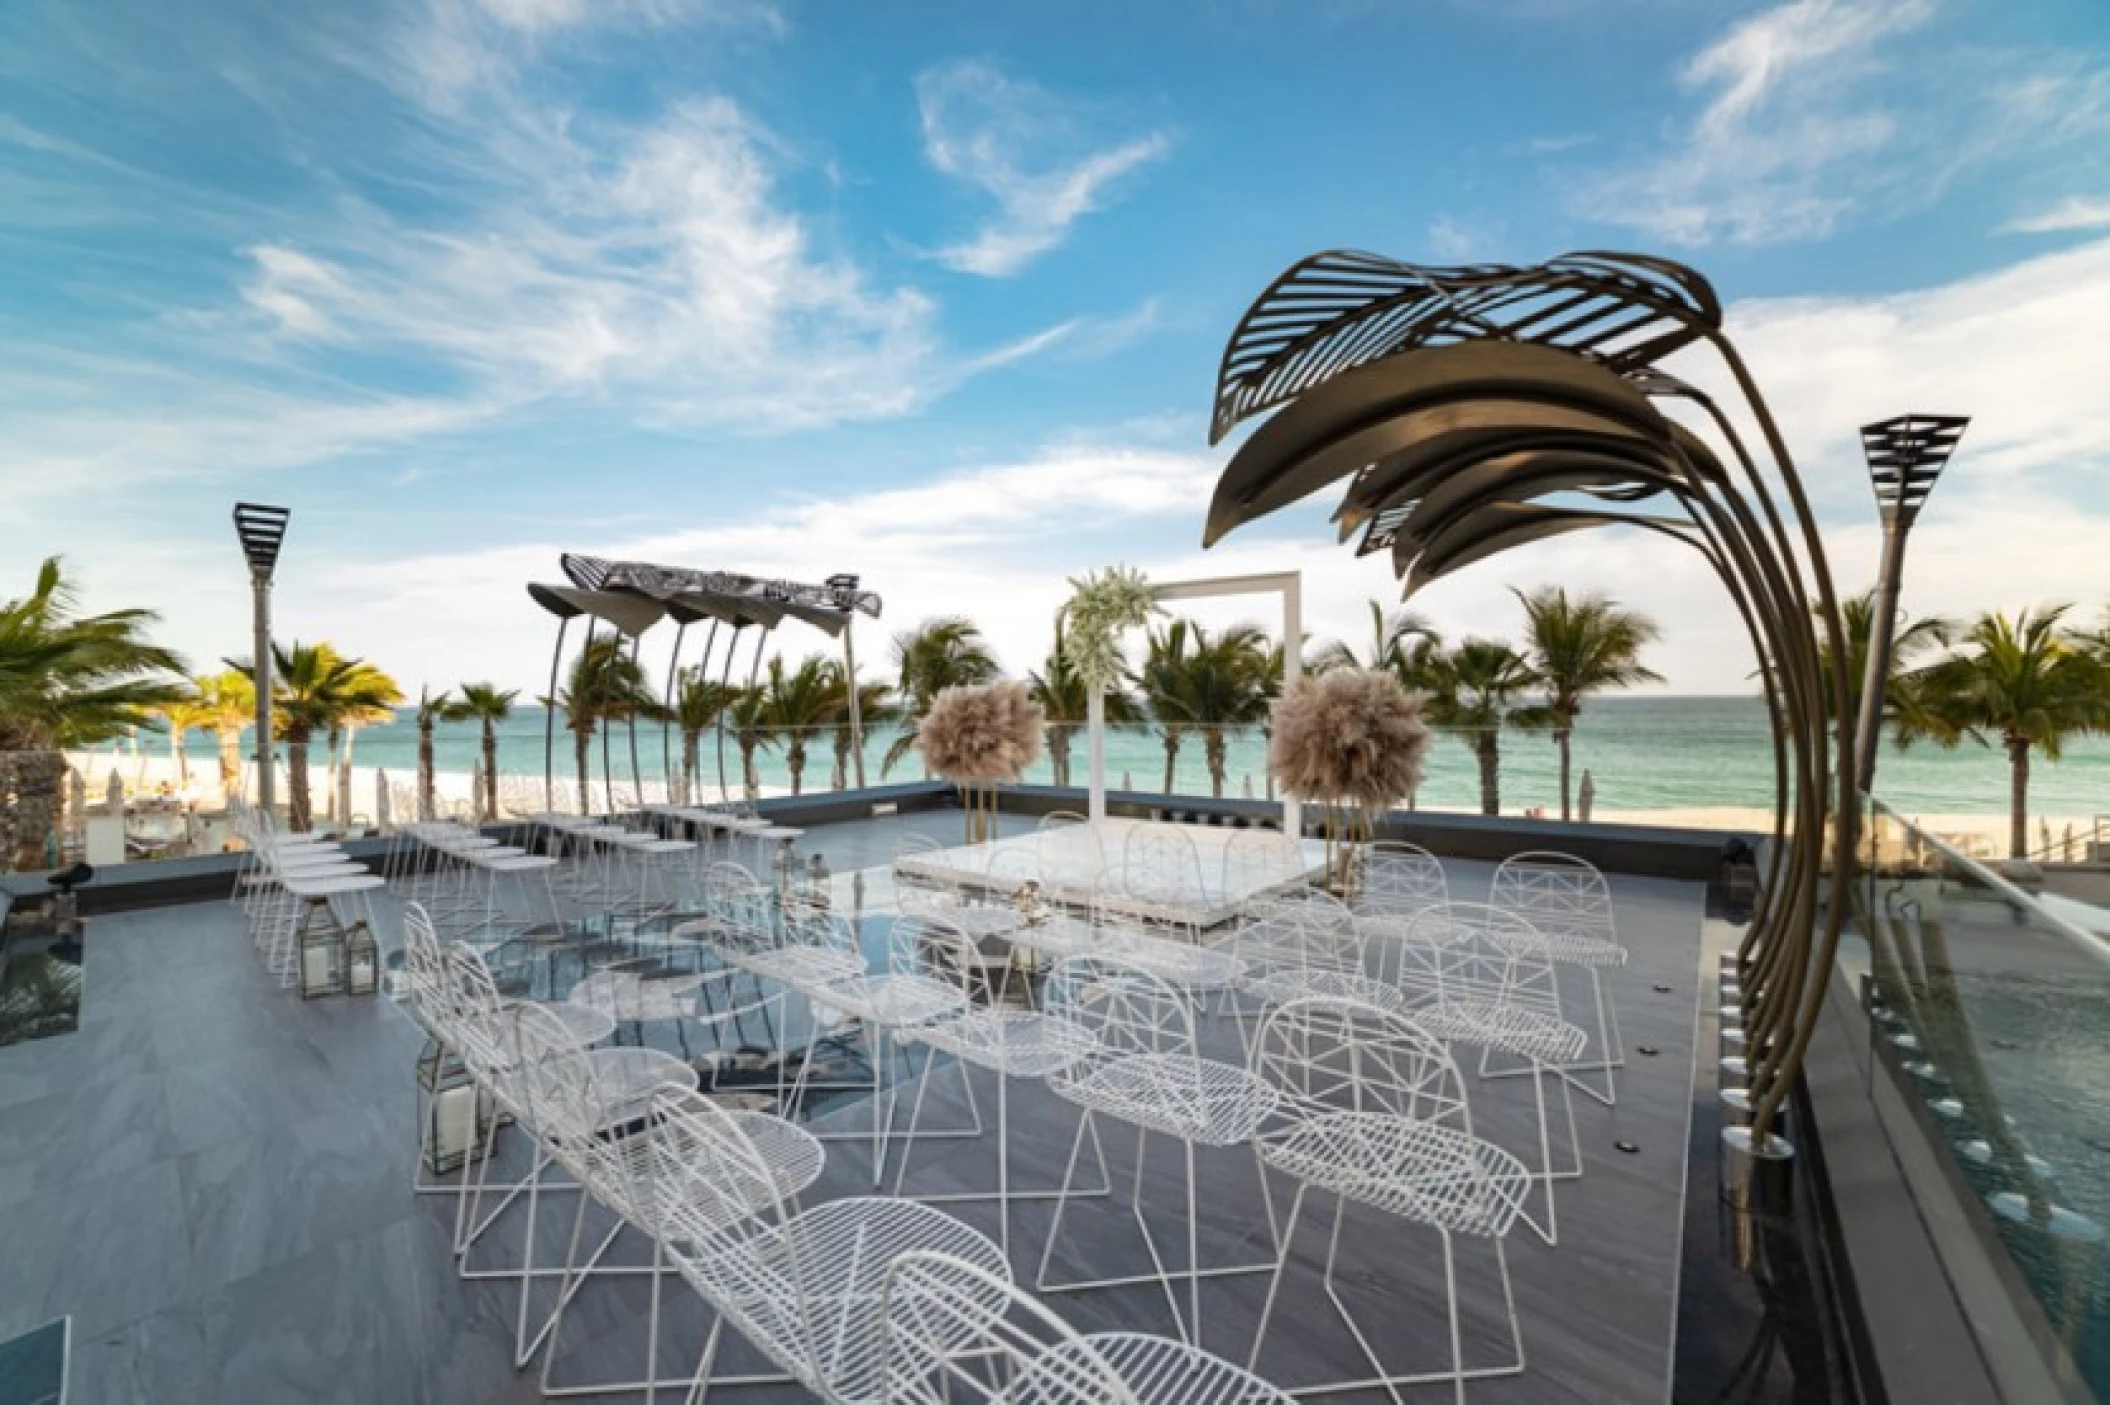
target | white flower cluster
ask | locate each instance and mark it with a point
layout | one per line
(1103, 606)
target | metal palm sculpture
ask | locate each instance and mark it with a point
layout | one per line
(1471, 410)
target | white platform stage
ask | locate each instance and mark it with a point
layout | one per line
(1190, 874)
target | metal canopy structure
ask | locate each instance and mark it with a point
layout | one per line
(630, 597)
(1472, 410)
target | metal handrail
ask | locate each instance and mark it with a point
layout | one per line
(2088, 941)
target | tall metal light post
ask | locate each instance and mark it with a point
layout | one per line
(1905, 455)
(262, 530)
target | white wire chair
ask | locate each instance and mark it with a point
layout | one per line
(1298, 947)
(1259, 864)
(1135, 916)
(1474, 974)
(1568, 902)
(916, 988)
(1145, 1069)
(807, 1288)
(620, 1168)
(536, 1069)
(804, 954)
(1168, 854)
(1007, 1042)
(1400, 881)
(946, 1344)
(1371, 1109)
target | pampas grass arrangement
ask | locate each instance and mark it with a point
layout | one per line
(1351, 740)
(979, 738)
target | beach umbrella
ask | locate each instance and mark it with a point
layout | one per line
(77, 785)
(344, 794)
(1586, 797)
(382, 817)
(114, 793)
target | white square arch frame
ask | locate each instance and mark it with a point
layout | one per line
(1289, 585)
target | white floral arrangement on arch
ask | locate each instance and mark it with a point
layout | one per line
(1104, 605)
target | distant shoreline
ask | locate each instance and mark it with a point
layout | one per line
(1980, 834)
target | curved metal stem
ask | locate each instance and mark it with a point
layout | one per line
(549, 725)
(666, 712)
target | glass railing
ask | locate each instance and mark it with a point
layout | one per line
(146, 800)
(1990, 1023)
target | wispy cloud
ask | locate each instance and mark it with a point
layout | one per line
(1029, 151)
(1815, 113)
(2073, 214)
(1459, 240)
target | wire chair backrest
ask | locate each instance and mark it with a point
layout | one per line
(1471, 953)
(806, 925)
(737, 902)
(1060, 819)
(1011, 867)
(915, 846)
(955, 1333)
(424, 971)
(474, 1014)
(1313, 932)
(1260, 860)
(930, 947)
(707, 1195)
(1124, 1010)
(1559, 894)
(1401, 879)
(1330, 1055)
(1169, 851)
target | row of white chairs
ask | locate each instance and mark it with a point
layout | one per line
(285, 882)
(1121, 1042)
(863, 1299)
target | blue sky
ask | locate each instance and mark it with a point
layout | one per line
(936, 292)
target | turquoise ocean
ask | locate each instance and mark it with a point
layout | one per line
(1644, 753)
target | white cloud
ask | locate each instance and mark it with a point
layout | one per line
(2017, 519)
(1817, 113)
(1457, 241)
(654, 263)
(1023, 147)
(2077, 212)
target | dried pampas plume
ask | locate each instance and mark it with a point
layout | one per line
(1348, 737)
(981, 735)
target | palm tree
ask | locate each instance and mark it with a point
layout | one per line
(230, 698)
(795, 703)
(1162, 662)
(748, 713)
(179, 715)
(1216, 684)
(370, 696)
(1474, 688)
(948, 652)
(698, 700)
(433, 708)
(1908, 645)
(315, 689)
(605, 684)
(1579, 647)
(872, 706)
(1065, 701)
(67, 680)
(1394, 636)
(2023, 679)
(489, 706)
